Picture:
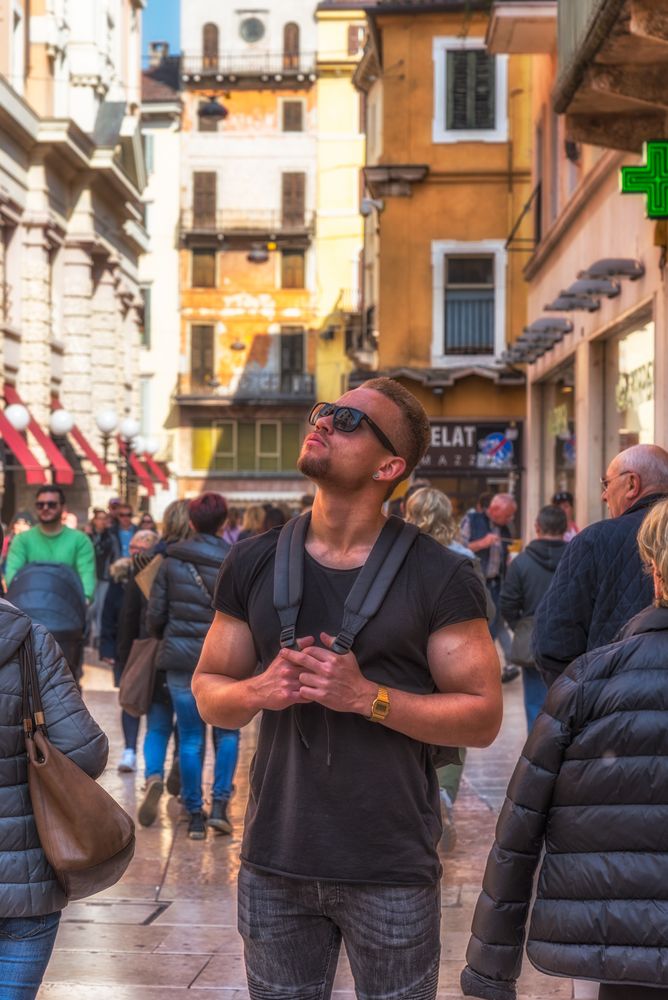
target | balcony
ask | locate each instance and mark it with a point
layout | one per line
(255, 386)
(613, 60)
(247, 225)
(250, 70)
(520, 28)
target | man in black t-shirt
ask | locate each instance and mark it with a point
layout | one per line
(343, 815)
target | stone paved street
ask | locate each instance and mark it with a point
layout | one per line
(168, 929)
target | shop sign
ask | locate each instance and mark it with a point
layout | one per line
(635, 387)
(460, 446)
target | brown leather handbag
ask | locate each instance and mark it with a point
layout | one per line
(135, 692)
(87, 838)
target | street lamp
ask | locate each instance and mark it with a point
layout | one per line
(61, 422)
(107, 422)
(18, 416)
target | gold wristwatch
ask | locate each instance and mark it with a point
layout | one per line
(380, 709)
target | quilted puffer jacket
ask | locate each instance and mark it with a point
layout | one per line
(28, 887)
(598, 587)
(591, 786)
(180, 609)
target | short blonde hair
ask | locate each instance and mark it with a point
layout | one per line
(653, 545)
(253, 518)
(176, 521)
(431, 511)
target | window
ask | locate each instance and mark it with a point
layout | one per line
(291, 46)
(210, 46)
(292, 116)
(470, 92)
(148, 142)
(201, 355)
(293, 197)
(206, 123)
(204, 269)
(469, 281)
(292, 356)
(251, 30)
(204, 199)
(145, 333)
(293, 269)
(245, 445)
(356, 36)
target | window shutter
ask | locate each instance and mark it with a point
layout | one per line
(470, 90)
(293, 199)
(201, 354)
(204, 199)
(291, 46)
(293, 116)
(204, 269)
(484, 110)
(292, 269)
(210, 46)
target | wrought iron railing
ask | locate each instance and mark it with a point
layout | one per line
(270, 65)
(241, 221)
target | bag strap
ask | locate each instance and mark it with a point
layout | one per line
(33, 712)
(367, 593)
(194, 572)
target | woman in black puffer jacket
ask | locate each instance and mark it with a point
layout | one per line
(180, 612)
(591, 787)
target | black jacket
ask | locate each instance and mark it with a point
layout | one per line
(598, 586)
(591, 787)
(179, 609)
(28, 886)
(528, 577)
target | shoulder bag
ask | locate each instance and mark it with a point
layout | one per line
(87, 838)
(135, 692)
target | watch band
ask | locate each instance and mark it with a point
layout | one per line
(380, 708)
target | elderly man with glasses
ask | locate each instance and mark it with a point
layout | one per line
(600, 584)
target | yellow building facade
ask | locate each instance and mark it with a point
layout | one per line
(448, 171)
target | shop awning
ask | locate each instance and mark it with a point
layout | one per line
(64, 473)
(87, 448)
(155, 471)
(35, 475)
(136, 466)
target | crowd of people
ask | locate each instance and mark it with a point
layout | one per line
(371, 677)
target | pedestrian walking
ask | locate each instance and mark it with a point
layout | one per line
(343, 819)
(527, 579)
(146, 523)
(564, 499)
(591, 791)
(431, 511)
(180, 612)
(599, 583)
(100, 536)
(486, 533)
(22, 521)
(31, 898)
(253, 521)
(122, 530)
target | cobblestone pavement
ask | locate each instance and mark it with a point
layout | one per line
(169, 928)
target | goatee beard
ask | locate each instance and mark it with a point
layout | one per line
(312, 466)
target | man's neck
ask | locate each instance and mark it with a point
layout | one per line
(51, 529)
(341, 533)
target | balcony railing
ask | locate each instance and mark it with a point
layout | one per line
(259, 385)
(268, 66)
(251, 223)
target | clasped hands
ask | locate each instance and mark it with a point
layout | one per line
(313, 673)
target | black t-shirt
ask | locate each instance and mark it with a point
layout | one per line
(332, 795)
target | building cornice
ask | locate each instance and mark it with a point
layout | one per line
(394, 179)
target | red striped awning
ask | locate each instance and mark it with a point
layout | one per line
(138, 469)
(155, 470)
(64, 473)
(35, 475)
(87, 448)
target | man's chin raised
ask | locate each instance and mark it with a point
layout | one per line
(312, 466)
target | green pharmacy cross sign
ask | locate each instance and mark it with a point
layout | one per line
(651, 179)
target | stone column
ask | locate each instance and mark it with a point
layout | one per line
(107, 349)
(78, 362)
(35, 372)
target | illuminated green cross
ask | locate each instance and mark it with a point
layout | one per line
(651, 179)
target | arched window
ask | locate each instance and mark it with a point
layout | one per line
(210, 46)
(291, 46)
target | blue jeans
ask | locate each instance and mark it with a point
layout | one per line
(159, 728)
(535, 690)
(292, 931)
(26, 944)
(191, 745)
(498, 627)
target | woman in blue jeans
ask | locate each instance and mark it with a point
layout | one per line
(30, 896)
(180, 613)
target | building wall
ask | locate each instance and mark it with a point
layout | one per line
(196, 13)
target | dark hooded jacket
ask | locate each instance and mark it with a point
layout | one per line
(591, 788)
(528, 578)
(598, 587)
(180, 606)
(28, 886)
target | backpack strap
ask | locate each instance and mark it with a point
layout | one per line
(289, 576)
(375, 579)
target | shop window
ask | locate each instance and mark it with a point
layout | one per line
(633, 360)
(291, 442)
(268, 448)
(203, 269)
(470, 92)
(201, 355)
(292, 116)
(293, 268)
(213, 446)
(245, 445)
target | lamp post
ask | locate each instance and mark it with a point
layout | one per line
(107, 422)
(128, 429)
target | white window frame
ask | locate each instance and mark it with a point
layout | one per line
(440, 249)
(441, 134)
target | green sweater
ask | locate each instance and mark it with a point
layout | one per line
(69, 547)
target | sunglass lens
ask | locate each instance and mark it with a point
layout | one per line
(346, 420)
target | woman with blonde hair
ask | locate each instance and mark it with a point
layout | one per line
(253, 522)
(589, 795)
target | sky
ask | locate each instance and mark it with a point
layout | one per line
(160, 23)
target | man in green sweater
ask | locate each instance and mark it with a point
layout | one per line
(51, 541)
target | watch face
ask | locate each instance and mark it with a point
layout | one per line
(251, 29)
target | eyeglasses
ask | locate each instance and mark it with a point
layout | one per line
(347, 419)
(47, 504)
(605, 481)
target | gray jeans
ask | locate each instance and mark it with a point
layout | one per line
(292, 931)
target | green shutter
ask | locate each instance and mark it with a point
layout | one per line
(470, 86)
(246, 446)
(291, 434)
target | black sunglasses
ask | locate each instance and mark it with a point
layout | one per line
(347, 419)
(50, 504)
